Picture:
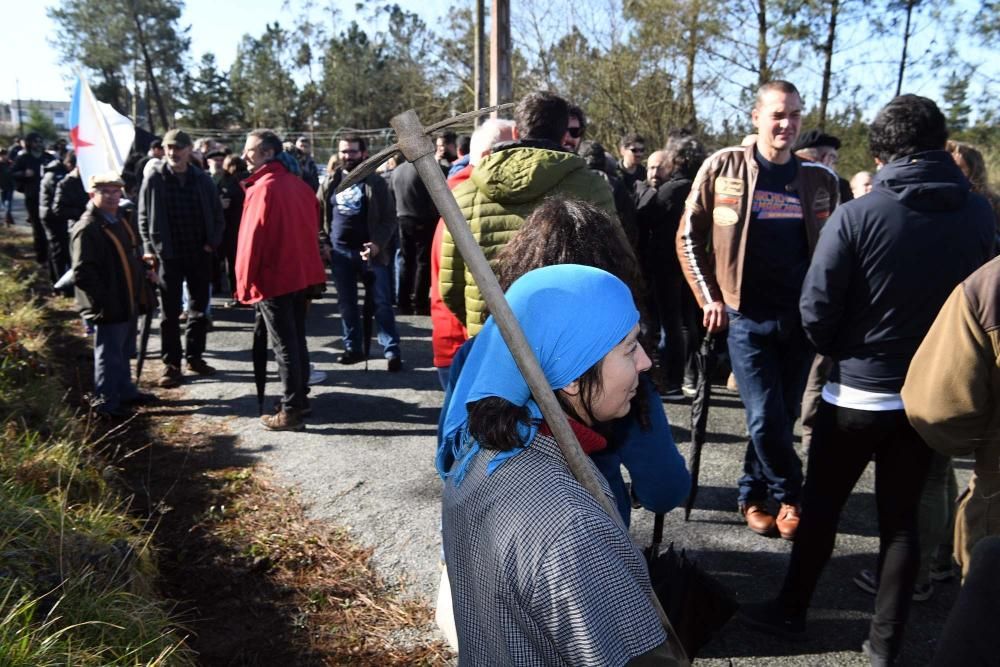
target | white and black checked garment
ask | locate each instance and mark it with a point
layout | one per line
(539, 573)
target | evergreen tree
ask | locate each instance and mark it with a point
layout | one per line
(957, 108)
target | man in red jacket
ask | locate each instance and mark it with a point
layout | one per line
(277, 259)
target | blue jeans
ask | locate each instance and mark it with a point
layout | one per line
(348, 267)
(771, 360)
(113, 347)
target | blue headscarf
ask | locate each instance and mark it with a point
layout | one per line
(572, 316)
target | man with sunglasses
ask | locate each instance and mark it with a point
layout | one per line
(633, 150)
(574, 131)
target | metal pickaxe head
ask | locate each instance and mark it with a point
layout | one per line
(413, 141)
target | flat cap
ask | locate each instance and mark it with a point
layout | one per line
(107, 178)
(814, 139)
(178, 138)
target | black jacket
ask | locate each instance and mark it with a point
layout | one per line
(413, 201)
(29, 185)
(71, 199)
(108, 277)
(886, 262)
(658, 215)
(53, 173)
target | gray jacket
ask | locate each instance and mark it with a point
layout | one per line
(154, 228)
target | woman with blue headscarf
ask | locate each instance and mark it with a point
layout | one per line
(540, 573)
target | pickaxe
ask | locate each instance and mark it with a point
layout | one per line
(415, 145)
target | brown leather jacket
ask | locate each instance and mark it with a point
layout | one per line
(711, 243)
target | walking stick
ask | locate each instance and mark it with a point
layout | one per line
(416, 146)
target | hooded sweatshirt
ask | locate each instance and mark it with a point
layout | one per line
(886, 262)
(502, 191)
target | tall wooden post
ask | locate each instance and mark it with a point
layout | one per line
(501, 80)
(479, 64)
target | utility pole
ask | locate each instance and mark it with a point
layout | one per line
(501, 82)
(479, 62)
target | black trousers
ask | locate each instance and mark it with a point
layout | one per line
(57, 238)
(843, 443)
(415, 270)
(677, 313)
(31, 202)
(285, 318)
(197, 271)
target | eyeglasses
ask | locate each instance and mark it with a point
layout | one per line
(636, 149)
(575, 132)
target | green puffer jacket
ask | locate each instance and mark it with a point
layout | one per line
(501, 192)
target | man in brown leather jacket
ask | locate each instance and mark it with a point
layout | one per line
(744, 242)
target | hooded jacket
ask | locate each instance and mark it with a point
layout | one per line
(503, 190)
(71, 198)
(886, 262)
(277, 251)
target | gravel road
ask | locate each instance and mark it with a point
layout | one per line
(366, 462)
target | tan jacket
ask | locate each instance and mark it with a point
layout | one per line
(952, 389)
(711, 238)
(952, 398)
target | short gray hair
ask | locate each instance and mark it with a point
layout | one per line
(492, 131)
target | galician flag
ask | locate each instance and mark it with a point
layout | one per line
(101, 136)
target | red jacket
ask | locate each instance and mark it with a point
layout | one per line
(447, 333)
(277, 252)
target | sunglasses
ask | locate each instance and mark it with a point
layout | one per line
(636, 149)
(575, 132)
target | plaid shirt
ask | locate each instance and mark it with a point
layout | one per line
(540, 574)
(185, 214)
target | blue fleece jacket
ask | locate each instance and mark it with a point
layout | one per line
(886, 262)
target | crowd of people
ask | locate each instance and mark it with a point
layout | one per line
(867, 306)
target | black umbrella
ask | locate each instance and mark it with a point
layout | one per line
(695, 602)
(699, 413)
(145, 325)
(367, 310)
(259, 355)
(147, 299)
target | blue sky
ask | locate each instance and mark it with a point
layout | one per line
(216, 25)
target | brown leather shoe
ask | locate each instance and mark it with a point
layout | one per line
(788, 521)
(758, 519)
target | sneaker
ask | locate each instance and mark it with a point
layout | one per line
(171, 377)
(787, 521)
(394, 364)
(285, 420)
(874, 659)
(673, 394)
(200, 367)
(758, 519)
(689, 390)
(316, 376)
(868, 582)
(350, 357)
(771, 618)
(731, 383)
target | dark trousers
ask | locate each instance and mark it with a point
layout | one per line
(771, 359)
(843, 443)
(57, 237)
(677, 315)
(114, 345)
(285, 318)
(31, 201)
(969, 636)
(197, 271)
(415, 269)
